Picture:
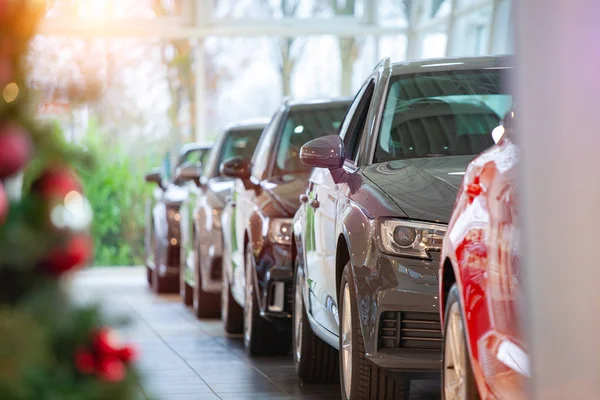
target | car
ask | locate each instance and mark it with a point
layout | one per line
(162, 233)
(481, 295)
(257, 227)
(368, 234)
(201, 236)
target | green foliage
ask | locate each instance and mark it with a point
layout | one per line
(117, 194)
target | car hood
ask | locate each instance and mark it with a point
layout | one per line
(286, 190)
(424, 188)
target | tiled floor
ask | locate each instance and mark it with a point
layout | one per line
(183, 358)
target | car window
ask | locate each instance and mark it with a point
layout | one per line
(240, 144)
(234, 143)
(442, 114)
(260, 159)
(355, 120)
(196, 155)
(301, 126)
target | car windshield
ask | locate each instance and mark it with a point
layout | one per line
(239, 143)
(301, 126)
(236, 143)
(442, 114)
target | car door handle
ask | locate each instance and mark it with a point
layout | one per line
(303, 198)
(331, 197)
(233, 204)
(314, 203)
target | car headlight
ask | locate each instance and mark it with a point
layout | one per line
(410, 239)
(280, 230)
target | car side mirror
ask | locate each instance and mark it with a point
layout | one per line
(236, 167)
(155, 176)
(324, 152)
(190, 171)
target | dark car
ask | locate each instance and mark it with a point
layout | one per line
(481, 290)
(257, 227)
(162, 234)
(201, 236)
(369, 233)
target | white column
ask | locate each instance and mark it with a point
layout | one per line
(559, 132)
(202, 19)
(451, 30)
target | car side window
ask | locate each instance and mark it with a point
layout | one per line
(261, 157)
(355, 121)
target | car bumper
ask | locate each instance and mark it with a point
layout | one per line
(275, 276)
(405, 332)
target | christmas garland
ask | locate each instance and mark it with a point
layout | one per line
(50, 347)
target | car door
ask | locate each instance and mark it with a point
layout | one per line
(243, 202)
(321, 217)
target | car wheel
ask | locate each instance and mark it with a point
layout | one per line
(315, 361)
(260, 336)
(458, 381)
(162, 284)
(186, 292)
(360, 379)
(232, 313)
(206, 304)
(149, 276)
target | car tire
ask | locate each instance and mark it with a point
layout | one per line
(261, 337)
(359, 378)
(149, 276)
(162, 284)
(186, 292)
(232, 313)
(454, 332)
(314, 360)
(205, 304)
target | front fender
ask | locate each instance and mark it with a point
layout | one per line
(358, 232)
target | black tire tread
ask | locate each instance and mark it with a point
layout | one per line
(371, 382)
(265, 338)
(319, 362)
(233, 323)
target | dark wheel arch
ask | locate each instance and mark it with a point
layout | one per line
(342, 257)
(448, 279)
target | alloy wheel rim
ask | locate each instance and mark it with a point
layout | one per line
(347, 342)
(298, 308)
(248, 304)
(455, 357)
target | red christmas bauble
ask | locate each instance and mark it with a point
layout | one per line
(15, 149)
(127, 354)
(56, 182)
(73, 255)
(106, 342)
(111, 369)
(3, 204)
(84, 361)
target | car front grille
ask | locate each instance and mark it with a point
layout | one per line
(410, 330)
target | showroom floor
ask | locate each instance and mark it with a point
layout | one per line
(184, 358)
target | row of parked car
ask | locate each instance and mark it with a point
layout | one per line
(375, 237)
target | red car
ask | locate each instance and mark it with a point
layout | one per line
(481, 297)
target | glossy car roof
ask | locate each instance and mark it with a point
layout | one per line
(451, 64)
(195, 146)
(316, 103)
(257, 123)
